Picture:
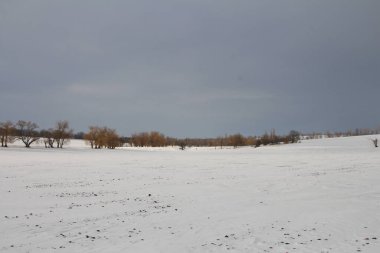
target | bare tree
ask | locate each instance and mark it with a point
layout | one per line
(265, 139)
(294, 136)
(7, 131)
(182, 144)
(221, 141)
(111, 138)
(48, 138)
(27, 133)
(62, 133)
(92, 135)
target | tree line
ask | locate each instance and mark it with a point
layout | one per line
(104, 137)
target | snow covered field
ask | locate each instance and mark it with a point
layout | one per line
(316, 196)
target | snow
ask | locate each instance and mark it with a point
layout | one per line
(315, 196)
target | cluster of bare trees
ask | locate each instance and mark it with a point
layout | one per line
(272, 138)
(149, 139)
(102, 137)
(27, 132)
(234, 140)
(57, 136)
(22, 130)
(156, 139)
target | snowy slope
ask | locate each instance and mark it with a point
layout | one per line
(316, 196)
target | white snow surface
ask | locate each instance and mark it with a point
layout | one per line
(315, 196)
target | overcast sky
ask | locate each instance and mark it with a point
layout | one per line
(191, 68)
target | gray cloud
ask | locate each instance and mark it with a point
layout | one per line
(191, 68)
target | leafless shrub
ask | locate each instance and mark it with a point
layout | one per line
(374, 142)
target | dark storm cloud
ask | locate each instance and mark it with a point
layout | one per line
(197, 68)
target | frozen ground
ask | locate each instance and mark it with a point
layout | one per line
(317, 196)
